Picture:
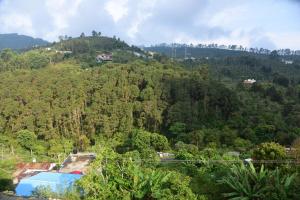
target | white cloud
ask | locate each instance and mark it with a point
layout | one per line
(61, 11)
(285, 39)
(117, 9)
(14, 22)
(144, 11)
(270, 23)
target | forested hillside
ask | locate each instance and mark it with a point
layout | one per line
(261, 68)
(15, 41)
(235, 65)
(131, 107)
(182, 52)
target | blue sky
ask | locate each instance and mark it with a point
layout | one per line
(270, 24)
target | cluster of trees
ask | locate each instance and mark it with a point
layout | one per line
(63, 100)
(66, 101)
(127, 110)
(85, 48)
(261, 68)
(129, 173)
(89, 44)
(10, 60)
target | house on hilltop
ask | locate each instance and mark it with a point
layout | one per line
(64, 52)
(104, 57)
(249, 81)
(287, 62)
(163, 155)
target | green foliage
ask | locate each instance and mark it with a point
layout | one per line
(132, 105)
(281, 80)
(36, 60)
(185, 104)
(6, 170)
(116, 176)
(242, 144)
(189, 148)
(44, 192)
(246, 183)
(27, 139)
(184, 155)
(177, 128)
(59, 147)
(7, 55)
(89, 44)
(142, 140)
(269, 151)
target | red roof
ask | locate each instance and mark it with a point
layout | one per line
(76, 172)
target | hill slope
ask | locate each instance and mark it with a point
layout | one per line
(15, 41)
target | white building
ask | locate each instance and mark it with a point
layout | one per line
(165, 155)
(287, 62)
(104, 57)
(249, 81)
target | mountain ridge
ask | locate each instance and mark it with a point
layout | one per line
(18, 42)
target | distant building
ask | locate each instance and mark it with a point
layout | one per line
(164, 155)
(64, 52)
(287, 62)
(104, 57)
(140, 55)
(248, 160)
(290, 150)
(151, 54)
(137, 54)
(249, 81)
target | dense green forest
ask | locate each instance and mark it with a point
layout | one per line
(128, 109)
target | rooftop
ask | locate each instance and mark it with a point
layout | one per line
(250, 81)
(56, 181)
(24, 170)
(77, 162)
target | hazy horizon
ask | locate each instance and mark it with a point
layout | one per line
(271, 24)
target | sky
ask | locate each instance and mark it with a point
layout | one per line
(271, 24)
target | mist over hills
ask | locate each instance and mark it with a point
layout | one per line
(16, 41)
